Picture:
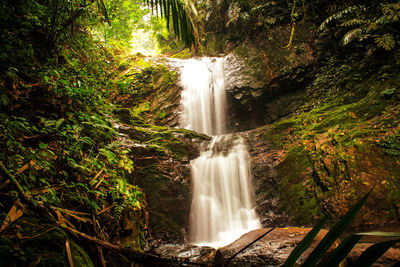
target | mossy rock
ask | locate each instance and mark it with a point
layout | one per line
(168, 200)
(295, 198)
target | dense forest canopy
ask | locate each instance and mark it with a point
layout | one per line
(86, 110)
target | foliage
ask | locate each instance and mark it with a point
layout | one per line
(58, 140)
(124, 16)
(316, 257)
(391, 145)
(181, 13)
(32, 29)
(377, 21)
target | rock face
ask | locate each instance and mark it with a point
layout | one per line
(161, 156)
(265, 85)
(264, 159)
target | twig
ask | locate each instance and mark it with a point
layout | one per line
(97, 175)
(69, 252)
(15, 182)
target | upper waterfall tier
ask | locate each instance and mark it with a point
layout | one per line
(204, 96)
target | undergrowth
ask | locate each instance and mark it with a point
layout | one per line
(58, 140)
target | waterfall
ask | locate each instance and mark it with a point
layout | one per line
(204, 96)
(222, 208)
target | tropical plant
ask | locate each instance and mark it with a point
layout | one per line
(181, 13)
(379, 22)
(319, 254)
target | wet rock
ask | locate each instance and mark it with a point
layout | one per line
(390, 258)
(271, 250)
(184, 252)
(264, 159)
(161, 157)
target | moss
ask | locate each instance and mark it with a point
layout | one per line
(164, 195)
(295, 198)
(80, 257)
(391, 145)
(184, 54)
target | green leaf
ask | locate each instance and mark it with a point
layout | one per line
(304, 244)
(4, 99)
(111, 157)
(334, 233)
(59, 123)
(42, 145)
(342, 250)
(377, 233)
(371, 254)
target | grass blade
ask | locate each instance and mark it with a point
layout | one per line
(371, 254)
(342, 250)
(334, 233)
(304, 244)
(378, 233)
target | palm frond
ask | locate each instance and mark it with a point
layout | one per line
(175, 11)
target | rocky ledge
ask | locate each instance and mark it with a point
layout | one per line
(271, 250)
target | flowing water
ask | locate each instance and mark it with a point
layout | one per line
(222, 208)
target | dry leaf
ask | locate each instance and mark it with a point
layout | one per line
(14, 213)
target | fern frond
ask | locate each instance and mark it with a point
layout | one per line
(353, 22)
(351, 35)
(339, 15)
(382, 20)
(392, 11)
(386, 41)
(372, 26)
(261, 7)
(117, 210)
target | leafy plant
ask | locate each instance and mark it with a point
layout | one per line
(338, 255)
(181, 13)
(362, 22)
(391, 145)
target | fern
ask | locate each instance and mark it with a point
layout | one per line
(366, 22)
(351, 35)
(386, 41)
(392, 11)
(118, 209)
(179, 12)
(353, 22)
(339, 15)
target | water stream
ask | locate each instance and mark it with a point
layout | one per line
(222, 207)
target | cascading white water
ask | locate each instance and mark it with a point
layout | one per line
(222, 207)
(204, 96)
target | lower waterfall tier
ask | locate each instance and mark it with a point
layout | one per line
(222, 208)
